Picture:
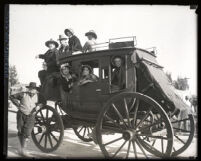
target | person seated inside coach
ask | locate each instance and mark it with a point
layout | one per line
(87, 75)
(67, 77)
(118, 74)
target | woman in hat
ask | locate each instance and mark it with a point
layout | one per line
(50, 56)
(88, 46)
(67, 78)
(30, 103)
(64, 48)
(75, 46)
(87, 75)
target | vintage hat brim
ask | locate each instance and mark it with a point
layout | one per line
(67, 30)
(51, 42)
(91, 33)
(87, 66)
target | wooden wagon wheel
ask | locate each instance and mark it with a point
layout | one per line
(83, 132)
(48, 130)
(186, 140)
(124, 134)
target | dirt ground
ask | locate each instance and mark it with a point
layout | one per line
(71, 147)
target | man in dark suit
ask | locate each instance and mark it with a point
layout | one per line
(75, 46)
(118, 75)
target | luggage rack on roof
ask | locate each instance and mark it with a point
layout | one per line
(152, 50)
(116, 43)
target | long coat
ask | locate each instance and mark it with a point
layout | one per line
(50, 59)
(74, 44)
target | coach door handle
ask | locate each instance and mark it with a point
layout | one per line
(98, 90)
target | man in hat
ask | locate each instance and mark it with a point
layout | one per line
(50, 57)
(75, 46)
(30, 103)
(88, 46)
(118, 75)
(64, 48)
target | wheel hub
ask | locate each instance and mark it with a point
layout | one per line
(129, 134)
(42, 129)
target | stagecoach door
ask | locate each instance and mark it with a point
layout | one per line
(89, 93)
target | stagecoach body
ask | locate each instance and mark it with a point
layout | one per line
(147, 102)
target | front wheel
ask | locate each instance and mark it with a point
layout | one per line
(125, 130)
(48, 130)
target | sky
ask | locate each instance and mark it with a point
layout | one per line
(172, 29)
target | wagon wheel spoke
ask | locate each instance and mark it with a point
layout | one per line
(135, 112)
(177, 121)
(118, 113)
(110, 119)
(128, 150)
(182, 130)
(127, 113)
(42, 116)
(50, 140)
(119, 148)
(41, 138)
(180, 139)
(80, 129)
(149, 126)
(152, 136)
(88, 130)
(115, 140)
(153, 143)
(54, 137)
(162, 145)
(45, 141)
(84, 131)
(134, 148)
(151, 147)
(144, 118)
(141, 148)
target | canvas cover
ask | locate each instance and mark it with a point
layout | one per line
(152, 80)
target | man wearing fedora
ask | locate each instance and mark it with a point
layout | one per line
(64, 48)
(88, 46)
(50, 57)
(75, 46)
(30, 103)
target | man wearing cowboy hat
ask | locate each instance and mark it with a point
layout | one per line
(75, 46)
(88, 46)
(64, 48)
(50, 56)
(30, 103)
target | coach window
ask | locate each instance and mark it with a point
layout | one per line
(118, 73)
(94, 64)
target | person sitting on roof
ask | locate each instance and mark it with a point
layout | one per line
(50, 57)
(118, 75)
(88, 46)
(64, 47)
(67, 78)
(75, 46)
(87, 75)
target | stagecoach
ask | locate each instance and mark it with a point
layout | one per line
(143, 119)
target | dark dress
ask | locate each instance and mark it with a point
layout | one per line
(118, 77)
(67, 84)
(74, 44)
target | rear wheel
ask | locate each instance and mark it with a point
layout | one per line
(184, 131)
(48, 130)
(83, 132)
(125, 131)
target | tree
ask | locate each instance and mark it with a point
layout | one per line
(169, 75)
(181, 83)
(12, 75)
